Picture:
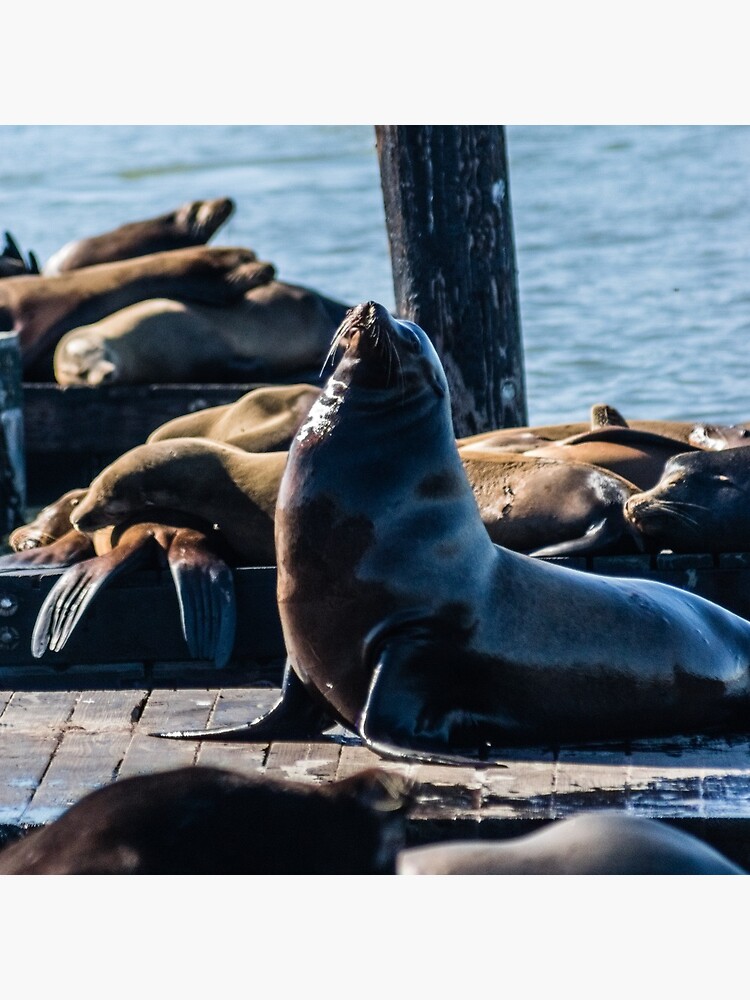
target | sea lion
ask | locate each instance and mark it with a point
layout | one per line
(274, 330)
(701, 503)
(197, 557)
(221, 484)
(264, 419)
(210, 821)
(594, 843)
(636, 455)
(719, 437)
(405, 623)
(49, 524)
(41, 309)
(545, 507)
(192, 224)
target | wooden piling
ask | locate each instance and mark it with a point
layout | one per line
(12, 458)
(446, 192)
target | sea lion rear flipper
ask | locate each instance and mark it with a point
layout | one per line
(33, 265)
(66, 602)
(295, 716)
(599, 539)
(407, 714)
(11, 248)
(205, 591)
(604, 415)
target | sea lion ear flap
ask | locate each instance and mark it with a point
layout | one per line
(604, 415)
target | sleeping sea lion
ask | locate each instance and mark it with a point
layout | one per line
(594, 843)
(404, 622)
(719, 437)
(272, 331)
(264, 419)
(210, 821)
(700, 504)
(192, 224)
(41, 309)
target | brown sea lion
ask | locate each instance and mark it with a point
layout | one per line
(192, 224)
(551, 508)
(41, 309)
(700, 504)
(274, 330)
(49, 524)
(594, 843)
(209, 821)
(719, 437)
(405, 623)
(636, 455)
(264, 419)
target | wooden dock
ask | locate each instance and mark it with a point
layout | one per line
(64, 734)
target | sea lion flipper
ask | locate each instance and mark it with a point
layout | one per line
(64, 605)
(604, 415)
(11, 247)
(599, 537)
(406, 714)
(33, 265)
(70, 548)
(295, 716)
(205, 591)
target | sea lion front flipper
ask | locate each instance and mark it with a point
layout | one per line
(64, 605)
(411, 713)
(205, 591)
(70, 548)
(598, 540)
(295, 716)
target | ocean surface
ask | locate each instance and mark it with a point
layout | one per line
(633, 243)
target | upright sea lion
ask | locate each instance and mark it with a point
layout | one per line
(210, 821)
(264, 419)
(192, 224)
(405, 623)
(700, 504)
(42, 309)
(274, 330)
(595, 843)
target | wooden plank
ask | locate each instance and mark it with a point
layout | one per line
(99, 711)
(590, 779)
(24, 757)
(164, 710)
(315, 761)
(523, 789)
(41, 712)
(235, 706)
(83, 762)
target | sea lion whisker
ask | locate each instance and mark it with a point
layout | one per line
(673, 509)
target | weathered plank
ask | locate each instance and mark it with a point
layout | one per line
(164, 710)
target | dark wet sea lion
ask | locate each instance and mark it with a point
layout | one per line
(12, 262)
(273, 331)
(41, 309)
(701, 503)
(405, 623)
(197, 557)
(636, 455)
(210, 821)
(264, 419)
(545, 507)
(192, 224)
(600, 843)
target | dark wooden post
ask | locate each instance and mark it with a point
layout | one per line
(12, 459)
(448, 215)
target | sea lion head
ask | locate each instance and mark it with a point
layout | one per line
(713, 437)
(146, 479)
(700, 504)
(201, 219)
(385, 366)
(82, 359)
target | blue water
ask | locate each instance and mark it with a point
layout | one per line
(633, 243)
